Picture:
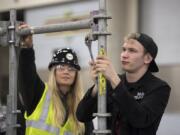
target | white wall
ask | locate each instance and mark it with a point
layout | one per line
(161, 19)
(169, 125)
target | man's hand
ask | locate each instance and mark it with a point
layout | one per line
(94, 76)
(104, 65)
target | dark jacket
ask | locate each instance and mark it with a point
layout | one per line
(136, 108)
(31, 86)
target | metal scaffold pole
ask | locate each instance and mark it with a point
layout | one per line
(102, 50)
(76, 25)
(12, 96)
(84, 24)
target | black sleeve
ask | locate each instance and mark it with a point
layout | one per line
(86, 107)
(31, 86)
(89, 128)
(141, 114)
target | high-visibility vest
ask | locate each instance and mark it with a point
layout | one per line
(40, 122)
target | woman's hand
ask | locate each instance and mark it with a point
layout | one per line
(26, 41)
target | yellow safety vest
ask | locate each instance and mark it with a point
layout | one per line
(40, 122)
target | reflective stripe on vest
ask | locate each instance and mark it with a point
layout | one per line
(41, 123)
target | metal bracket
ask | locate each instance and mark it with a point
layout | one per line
(96, 15)
(102, 131)
(5, 27)
(93, 35)
(102, 114)
(101, 33)
(102, 17)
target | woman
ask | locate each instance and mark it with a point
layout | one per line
(50, 108)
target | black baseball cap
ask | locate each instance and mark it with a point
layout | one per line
(148, 43)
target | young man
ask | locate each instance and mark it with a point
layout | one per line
(136, 99)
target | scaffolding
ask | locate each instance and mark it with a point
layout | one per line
(10, 36)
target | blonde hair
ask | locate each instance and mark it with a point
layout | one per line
(132, 36)
(73, 99)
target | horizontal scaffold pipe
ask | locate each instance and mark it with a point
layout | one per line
(84, 24)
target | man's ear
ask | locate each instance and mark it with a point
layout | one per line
(148, 58)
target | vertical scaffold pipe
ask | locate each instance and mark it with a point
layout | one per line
(12, 97)
(102, 50)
